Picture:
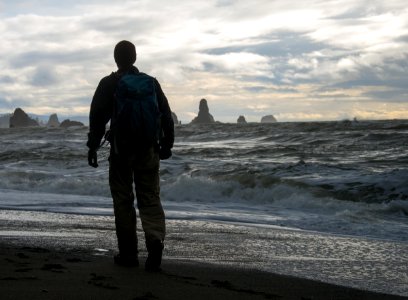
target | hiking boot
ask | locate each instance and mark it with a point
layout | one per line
(154, 257)
(126, 261)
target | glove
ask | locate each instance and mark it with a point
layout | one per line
(92, 158)
(165, 153)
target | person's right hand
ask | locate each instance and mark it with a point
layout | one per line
(92, 158)
(165, 153)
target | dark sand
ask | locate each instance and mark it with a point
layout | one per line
(61, 256)
(28, 272)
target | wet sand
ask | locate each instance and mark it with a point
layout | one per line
(60, 256)
(40, 273)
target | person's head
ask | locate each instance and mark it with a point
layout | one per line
(124, 54)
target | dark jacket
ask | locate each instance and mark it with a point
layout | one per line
(102, 109)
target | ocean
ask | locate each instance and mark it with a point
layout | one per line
(348, 178)
(326, 201)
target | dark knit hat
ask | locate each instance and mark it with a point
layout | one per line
(124, 54)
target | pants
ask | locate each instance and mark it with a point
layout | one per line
(143, 171)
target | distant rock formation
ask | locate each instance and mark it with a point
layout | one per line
(268, 119)
(21, 119)
(241, 120)
(5, 121)
(68, 123)
(204, 115)
(175, 119)
(53, 121)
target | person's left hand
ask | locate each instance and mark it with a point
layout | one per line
(93, 158)
(165, 153)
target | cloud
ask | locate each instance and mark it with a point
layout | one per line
(6, 79)
(52, 57)
(7, 106)
(253, 58)
(44, 76)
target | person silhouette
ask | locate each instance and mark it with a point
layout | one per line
(138, 167)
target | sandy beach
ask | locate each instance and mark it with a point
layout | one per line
(41, 273)
(57, 256)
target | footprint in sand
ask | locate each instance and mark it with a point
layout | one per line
(100, 281)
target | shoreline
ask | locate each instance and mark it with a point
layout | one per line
(225, 260)
(43, 273)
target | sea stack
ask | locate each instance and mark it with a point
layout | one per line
(204, 116)
(268, 119)
(68, 123)
(53, 121)
(241, 120)
(21, 119)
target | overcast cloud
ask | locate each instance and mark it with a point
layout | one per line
(297, 60)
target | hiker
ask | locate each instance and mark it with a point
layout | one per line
(141, 133)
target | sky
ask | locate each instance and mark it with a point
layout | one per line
(297, 60)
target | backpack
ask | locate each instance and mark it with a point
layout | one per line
(135, 124)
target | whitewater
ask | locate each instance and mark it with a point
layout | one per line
(339, 177)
